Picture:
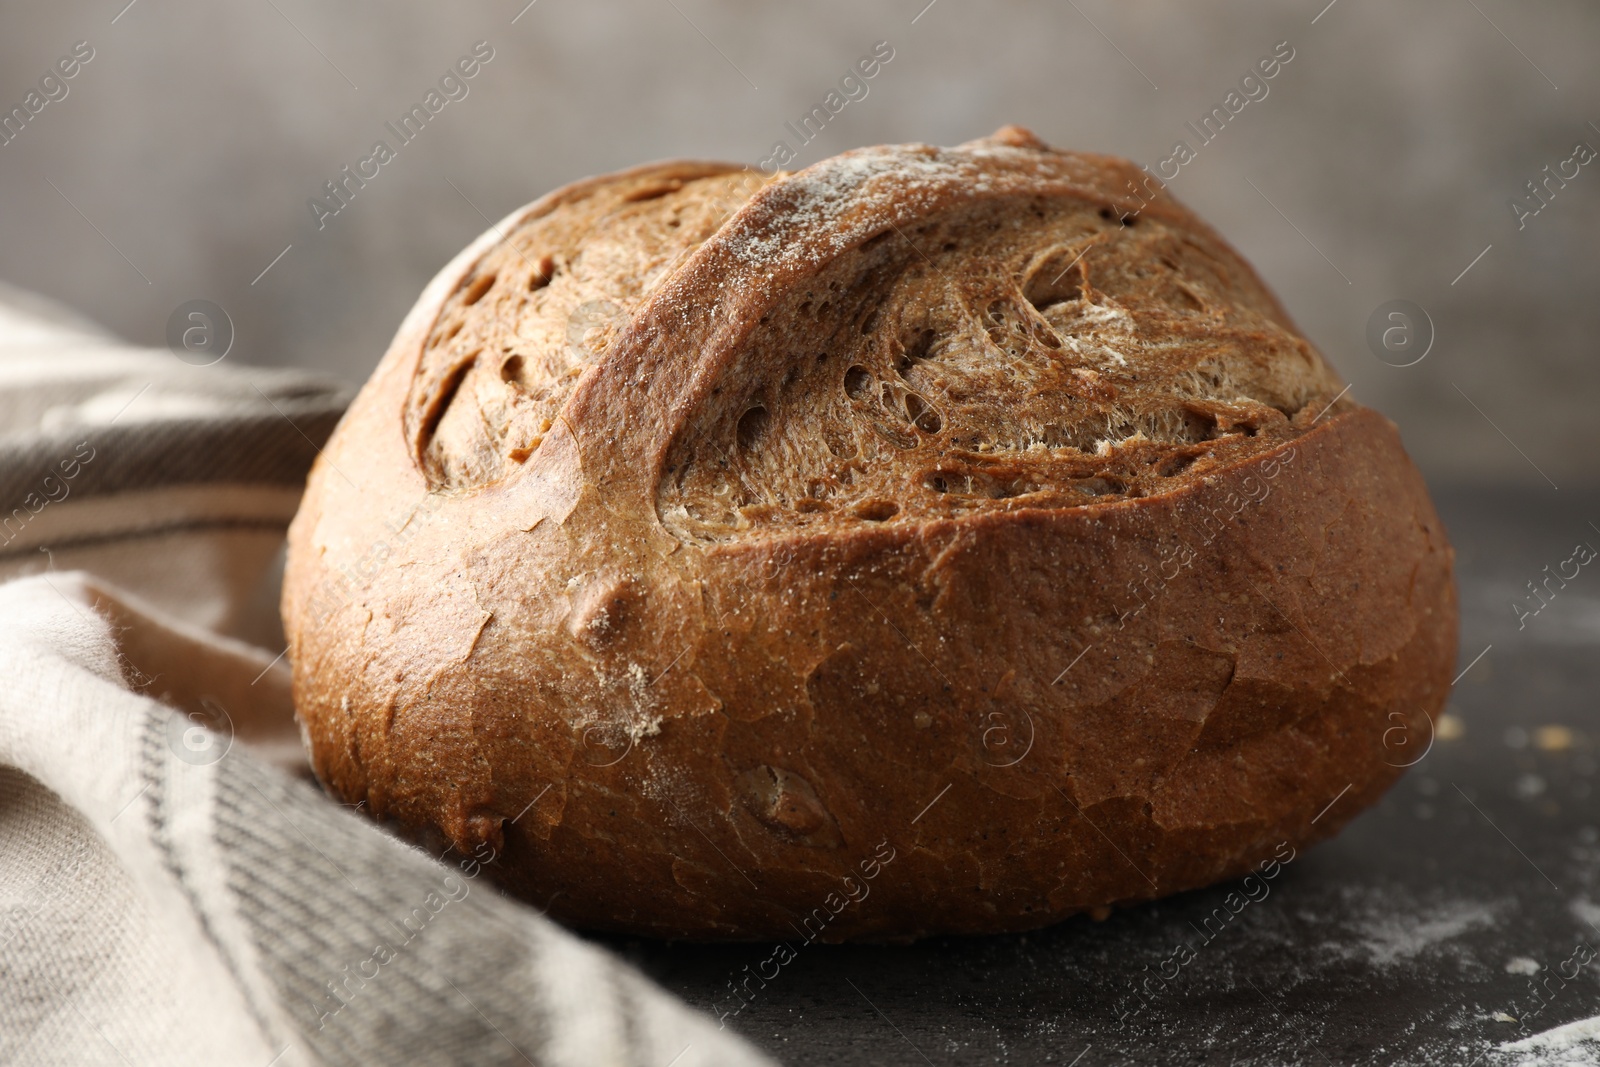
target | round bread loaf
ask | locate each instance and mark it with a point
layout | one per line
(928, 541)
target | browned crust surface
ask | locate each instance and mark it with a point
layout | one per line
(694, 538)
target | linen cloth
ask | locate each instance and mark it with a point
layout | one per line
(174, 889)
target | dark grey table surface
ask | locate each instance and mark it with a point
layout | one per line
(1411, 938)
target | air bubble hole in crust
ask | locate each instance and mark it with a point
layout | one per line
(1106, 486)
(877, 510)
(479, 285)
(752, 427)
(544, 270)
(1057, 280)
(449, 386)
(857, 383)
(919, 345)
(1199, 425)
(921, 415)
(652, 192)
(1175, 465)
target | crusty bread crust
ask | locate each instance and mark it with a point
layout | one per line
(701, 531)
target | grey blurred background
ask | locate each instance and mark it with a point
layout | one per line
(1381, 165)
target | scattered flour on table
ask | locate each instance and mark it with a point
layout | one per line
(1573, 1045)
(1391, 935)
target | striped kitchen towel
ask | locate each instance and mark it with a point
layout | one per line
(171, 480)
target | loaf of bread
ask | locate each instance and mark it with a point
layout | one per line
(929, 541)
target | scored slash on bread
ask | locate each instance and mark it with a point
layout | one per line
(761, 509)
